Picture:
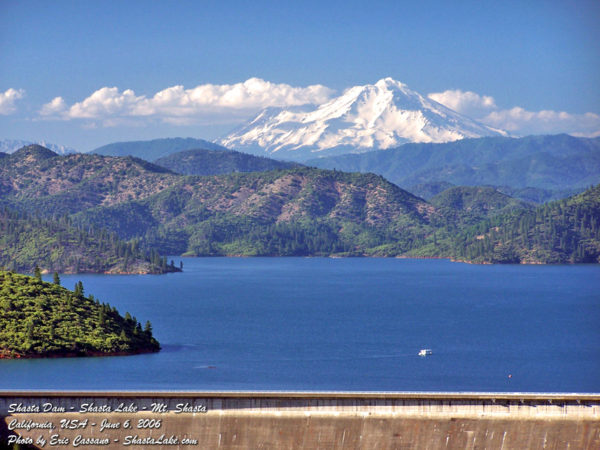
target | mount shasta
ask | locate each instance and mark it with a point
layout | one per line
(375, 116)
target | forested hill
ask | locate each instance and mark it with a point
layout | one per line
(292, 212)
(467, 205)
(301, 211)
(217, 162)
(58, 245)
(41, 180)
(565, 231)
(39, 319)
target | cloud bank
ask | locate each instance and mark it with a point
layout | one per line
(8, 99)
(207, 103)
(211, 104)
(467, 103)
(518, 121)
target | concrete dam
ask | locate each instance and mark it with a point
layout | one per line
(299, 420)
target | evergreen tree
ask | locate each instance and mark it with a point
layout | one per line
(56, 278)
(148, 328)
(78, 289)
(37, 273)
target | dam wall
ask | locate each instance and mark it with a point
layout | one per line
(300, 420)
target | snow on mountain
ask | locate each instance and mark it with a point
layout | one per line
(376, 116)
(12, 145)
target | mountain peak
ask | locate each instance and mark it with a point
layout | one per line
(12, 145)
(155, 148)
(370, 117)
(389, 83)
(34, 151)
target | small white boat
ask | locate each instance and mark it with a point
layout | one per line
(425, 352)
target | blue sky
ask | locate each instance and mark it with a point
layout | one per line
(535, 56)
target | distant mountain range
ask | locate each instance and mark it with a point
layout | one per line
(375, 116)
(12, 145)
(156, 148)
(532, 168)
(535, 168)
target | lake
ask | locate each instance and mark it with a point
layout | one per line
(344, 324)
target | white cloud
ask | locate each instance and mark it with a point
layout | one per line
(8, 100)
(207, 103)
(467, 103)
(522, 122)
(517, 120)
(56, 106)
(230, 103)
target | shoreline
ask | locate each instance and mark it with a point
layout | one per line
(56, 355)
(448, 258)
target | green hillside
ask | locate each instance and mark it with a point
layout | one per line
(217, 162)
(565, 231)
(467, 205)
(58, 245)
(39, 319)
(301, 211)
(297, 211)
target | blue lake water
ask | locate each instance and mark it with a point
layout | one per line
(344, 324)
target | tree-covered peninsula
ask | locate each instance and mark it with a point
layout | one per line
(57, 245)
(40, 319)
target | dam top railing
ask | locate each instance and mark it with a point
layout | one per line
(404, 395)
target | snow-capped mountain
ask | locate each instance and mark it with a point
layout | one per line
(376, 116)
(12, 145)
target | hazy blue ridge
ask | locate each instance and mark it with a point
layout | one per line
(552, 163)
(156, 148)
(218, 162)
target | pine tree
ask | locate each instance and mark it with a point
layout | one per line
(78, 289)
(56, 278)
(37, 272)
(148, 328)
